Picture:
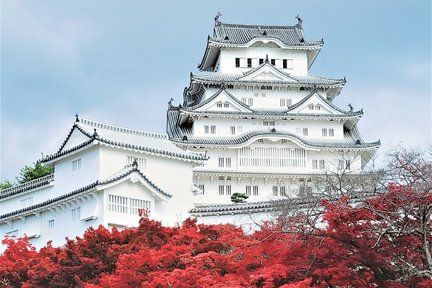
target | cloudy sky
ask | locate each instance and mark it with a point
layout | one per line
(120, 62)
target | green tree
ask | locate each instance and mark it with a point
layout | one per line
(29, 173)
(6, 184)
(238, 197)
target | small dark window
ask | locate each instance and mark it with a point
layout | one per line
(261, 61)
(249, 62)
(273, 61)
(237, 62)
(285, 63)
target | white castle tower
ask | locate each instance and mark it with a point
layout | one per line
(267, 125)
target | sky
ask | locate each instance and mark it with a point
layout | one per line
(119, 62)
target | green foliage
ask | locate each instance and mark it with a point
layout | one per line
(6, 184)
(29, 173)
(239, 197)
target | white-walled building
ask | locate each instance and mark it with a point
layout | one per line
(268, 126)
(103, 175)
(253, 121)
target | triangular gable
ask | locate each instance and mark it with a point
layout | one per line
(75, 138)
(135, 176)
(266, 72)
(315, 104)
(223, 101)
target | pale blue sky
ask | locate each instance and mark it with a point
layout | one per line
(120, 62)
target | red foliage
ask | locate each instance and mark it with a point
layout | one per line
(351, 250)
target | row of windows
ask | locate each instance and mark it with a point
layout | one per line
(318, 164)
(272, 157)
(126, 205)
(328, 132)
(224, 189)
(209, 129)
(279, 191)
(76, 165)
(224, 162)
(248, 101)
(222, 105)
(314, 107)
(344, 164)
(253, 62)
(142, 162)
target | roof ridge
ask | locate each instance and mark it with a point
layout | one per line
(101, 125)
(259, 25)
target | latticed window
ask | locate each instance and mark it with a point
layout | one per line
(331, 132)
(221, 189)
(228, 189)
(255, 190)
(272, 157)
(126, 205)
(141, 162)
(248, 190)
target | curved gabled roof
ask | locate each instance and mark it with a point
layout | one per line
(242, 34)
(214, 96)
(96, 132)
(184, 136)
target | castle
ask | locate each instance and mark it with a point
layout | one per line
(253, 121)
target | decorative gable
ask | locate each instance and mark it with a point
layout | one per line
(266, 72)
(314, 104)
(223, 102)
(75, 138)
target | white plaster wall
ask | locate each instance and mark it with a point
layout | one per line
(265, 99)
(314, 127)
(64, 225)
(68, 180)
(13, 203)
(228, 55)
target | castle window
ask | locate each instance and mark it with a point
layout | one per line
(141, 162)
(239, 129)
(206, 129)
(233, 130)
(221, 189)
(284, 63)
(76, 214)
(348, 164)
(273, 62)
(311, 107)
(255, 190)
(226, 105)
(282, 103)
(247, 101)
(321, 164)
(51, 224)
(268, 123)
(318, 107)
(221, 162)
(331, 132)
(212, 129)
(228, 189)
(249, 62)
(219, 105)
(224, 162)
(248, 190)
(261, 61)
(282, 190)
(314, 164)
(275, 190)
(305, 132)
(324, 132)
(126, 205)
(221, 177)
(237, 62)
(201, 186)
(76, 165)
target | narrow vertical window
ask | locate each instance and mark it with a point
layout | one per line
(233, 130)
(228, 189)
(255, 190)
(282, 102)
(261, 61)
(237, 62)
(202, 187)
(248, 190)
(221, 189)
(321, 164)
(275, 190)
(324, 132)
(76, 165)
(239, 129)
(273, 62)
(314, 164)
(213, 129)
(221, 162)
(331, 132)
(249, 62)
(226, 105)
(51, 224)
(284, 63)
(250, 101)
(305, 132)
(206, 129)
(228, 162)
(282, 190)
(311, 107)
